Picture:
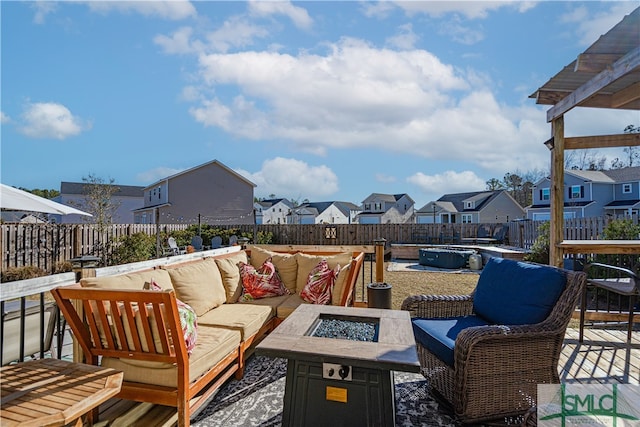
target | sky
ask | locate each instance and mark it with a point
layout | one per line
(323, 101)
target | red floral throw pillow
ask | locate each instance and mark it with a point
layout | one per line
(320, 284)
(261, 283)
(188, 320)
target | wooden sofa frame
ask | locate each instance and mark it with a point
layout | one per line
(85, 309)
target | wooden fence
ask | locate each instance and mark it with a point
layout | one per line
(43, 245)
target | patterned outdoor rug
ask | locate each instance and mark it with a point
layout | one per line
(257, 399)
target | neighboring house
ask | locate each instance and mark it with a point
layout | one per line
(273, 211)
(333, 212)
(613, 192)
(125, 200)
(479, 207)
(387, 209)
(210, 193)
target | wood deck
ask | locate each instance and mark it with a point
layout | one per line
(603, 357)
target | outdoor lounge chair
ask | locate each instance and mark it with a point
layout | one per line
(617, 280)
(485, 353)
(196, 242)
(173, 248)
(216, 242)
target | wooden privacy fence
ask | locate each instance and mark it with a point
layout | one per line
(43, 245)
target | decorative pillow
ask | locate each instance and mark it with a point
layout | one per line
(188, 320)
(261, 283)
(307, 262)
(320, 284)
(286, 265)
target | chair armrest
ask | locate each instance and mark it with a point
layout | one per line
(434, 306)
(614, 268)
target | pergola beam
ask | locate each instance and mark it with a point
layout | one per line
(621, 67)
(602, 141)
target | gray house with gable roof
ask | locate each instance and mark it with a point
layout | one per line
(387, 209)
(478, 207)
(588, 193)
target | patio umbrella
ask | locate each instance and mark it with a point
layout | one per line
(17, 200)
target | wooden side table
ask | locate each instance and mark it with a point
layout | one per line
(53, 392)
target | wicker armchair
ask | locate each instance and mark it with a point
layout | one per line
(495, 368)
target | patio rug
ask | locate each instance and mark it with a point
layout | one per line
(257, 399)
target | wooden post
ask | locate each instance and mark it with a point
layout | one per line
(557, 193)
(379, 243)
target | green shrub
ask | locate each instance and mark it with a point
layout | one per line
(133, 248)
(21, 273)
(540, 249)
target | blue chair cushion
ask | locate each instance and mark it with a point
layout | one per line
(517, 293)
(439, 335)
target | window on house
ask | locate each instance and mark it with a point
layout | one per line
(576, 192)
(545, 194)
(159, 192)
(149, 195)
(466, 218)
(468, 205)
(626, 188)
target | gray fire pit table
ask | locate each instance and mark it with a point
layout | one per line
(342, 381)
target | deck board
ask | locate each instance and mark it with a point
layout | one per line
(603, 357)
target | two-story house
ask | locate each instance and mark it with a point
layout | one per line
(588, 193)
(478, 207)
(272, 211)
(124, 200)
(210, 193)
(387, 209)
(332, 212)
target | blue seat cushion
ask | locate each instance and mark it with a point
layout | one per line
(517, 293)
(439, 335)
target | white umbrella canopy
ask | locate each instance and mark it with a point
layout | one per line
(18, 200)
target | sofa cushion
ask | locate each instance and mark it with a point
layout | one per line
(320, 284)
(289, 305)
(272, 302)
(246, 318)
(214, 344)
(230, 271)
(517, 293)
(263, 282)
(439, 335)
(307, 262)
(286, 265)
(134, 281)
(199, 284)
(188, 320)
(340, 284)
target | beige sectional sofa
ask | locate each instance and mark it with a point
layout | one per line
(165, 373)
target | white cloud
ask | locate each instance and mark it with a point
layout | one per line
(447, 182)
(168, 9)
(299, 16)
(50, 120)
(153, 175)
(590, 28)
(468, 9)
(357, 95)
(234, 33)
(179, 42)
(291, 179)
(405, 39)
(42, 9)
(4, 119)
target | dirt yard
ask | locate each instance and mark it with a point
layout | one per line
(406, 283)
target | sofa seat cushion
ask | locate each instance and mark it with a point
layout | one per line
(517, 293)
(214, 344)
(230, 272)
(246, 318)
(286, 265)
(439, 335)
(289, 305)
(132, 281)
(199, 284)
(272, 302)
